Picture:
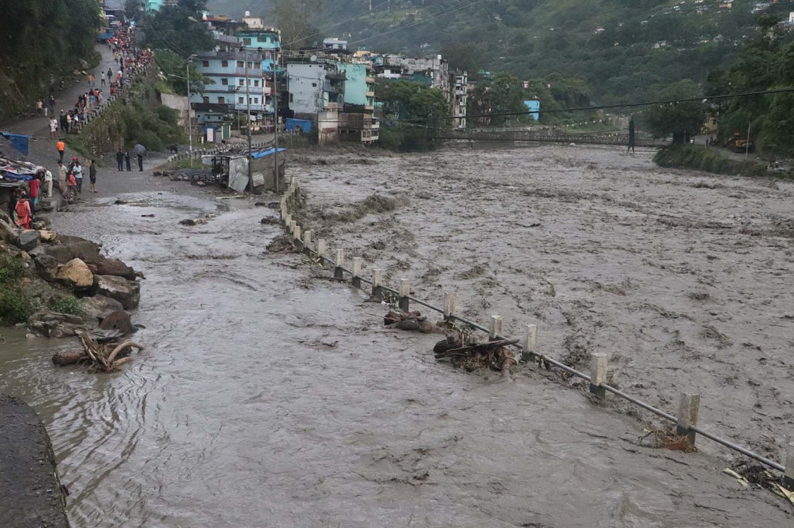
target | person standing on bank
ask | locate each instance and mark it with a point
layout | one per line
(120, 160)
(127, 160)
(34, 186)
(77, 169)
(61, 146)
(22, 208)
(92, 175)
(48, 183)
(63, 175)
(631, 135)
(140, 152)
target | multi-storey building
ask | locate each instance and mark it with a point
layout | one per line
(238, 83)
(357, 121)
(458, 97)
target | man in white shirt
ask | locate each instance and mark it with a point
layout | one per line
(48, 183)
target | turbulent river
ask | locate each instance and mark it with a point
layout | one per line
(269, 396)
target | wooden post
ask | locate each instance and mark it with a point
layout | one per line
(340, 261)
(321, 250)
(688, 417)
(529, 342)
(449, 305)
(405, 291)
(496, 327)
(357, 271)
(287, 220)
(307, 241)
(298, 240)
(598, 374)
(788, 478)
(377, 282)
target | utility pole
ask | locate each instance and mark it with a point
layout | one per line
(275, 117)
(747, 144)
(248, 106)
(188, 120)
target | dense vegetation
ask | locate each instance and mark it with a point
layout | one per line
(708, 160)
(40, 42)
(536, 38)
(15, 306)
(766, 62)
(414, 113)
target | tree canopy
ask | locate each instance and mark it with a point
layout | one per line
(680, 120)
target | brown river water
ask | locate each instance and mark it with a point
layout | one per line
(270, 396)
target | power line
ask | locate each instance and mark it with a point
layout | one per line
(628, 105)
(320, 32)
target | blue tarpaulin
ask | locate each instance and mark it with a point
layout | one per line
(263, 153)
(20, 142)
(304, 125)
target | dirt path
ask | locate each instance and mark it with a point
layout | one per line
(682, 279)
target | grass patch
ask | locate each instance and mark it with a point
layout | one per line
(699, 158)
(15, 306)
(187, 164)
(67, 305)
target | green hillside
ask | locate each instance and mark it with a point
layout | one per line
(625, 49)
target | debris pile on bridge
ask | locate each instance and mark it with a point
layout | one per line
(464, 351)
(410, 321)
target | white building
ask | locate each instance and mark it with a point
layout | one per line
(253, 22)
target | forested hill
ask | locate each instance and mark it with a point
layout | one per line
(41, 41)
(623, 48)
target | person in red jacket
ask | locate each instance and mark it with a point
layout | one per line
(34, 185)
(23, 212)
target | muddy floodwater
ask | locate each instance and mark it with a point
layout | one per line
(268, 395)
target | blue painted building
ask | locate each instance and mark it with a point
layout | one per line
(267, 41)
(534, 107)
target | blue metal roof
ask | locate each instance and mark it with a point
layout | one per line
(264, 153)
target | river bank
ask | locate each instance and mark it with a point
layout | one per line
(265, 388)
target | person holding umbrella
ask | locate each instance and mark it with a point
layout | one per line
(140, 151)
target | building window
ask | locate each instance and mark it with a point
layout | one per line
(256, 100)
(225, 64)
(240, 100)
(205, 64)
(314, 85)
(257, 65)
(241, 82)
(240, 64)
(290, 97)
(206, 100)
(247, 41)
(221, 100)
(251, 65)
(256, 83)
(225, 82)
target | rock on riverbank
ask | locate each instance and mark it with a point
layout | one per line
(66, 285)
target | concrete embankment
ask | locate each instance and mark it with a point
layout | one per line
(31, 492)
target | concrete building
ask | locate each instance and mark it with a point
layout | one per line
(334, 44)
(252, 22)
(156, 5)
(314, 87)
(458, 97)
(227, 70)
(357, 121)
(265, 40)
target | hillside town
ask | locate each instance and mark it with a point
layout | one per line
(328, 91)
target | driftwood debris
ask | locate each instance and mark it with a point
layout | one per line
(411, 321)
(102, 358)
(463, 351)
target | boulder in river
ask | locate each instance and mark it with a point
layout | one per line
(76, 275)
(27, 240)
(127, 292)
(55, 325)
(7, 232)
(99, 306)
(46, 265)
(115, 267)
(74, 247)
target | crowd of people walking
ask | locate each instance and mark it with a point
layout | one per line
(129, 62)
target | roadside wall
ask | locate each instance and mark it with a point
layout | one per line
(30, 491)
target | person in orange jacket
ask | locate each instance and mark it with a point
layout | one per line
(23, 212)
(61, 146)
